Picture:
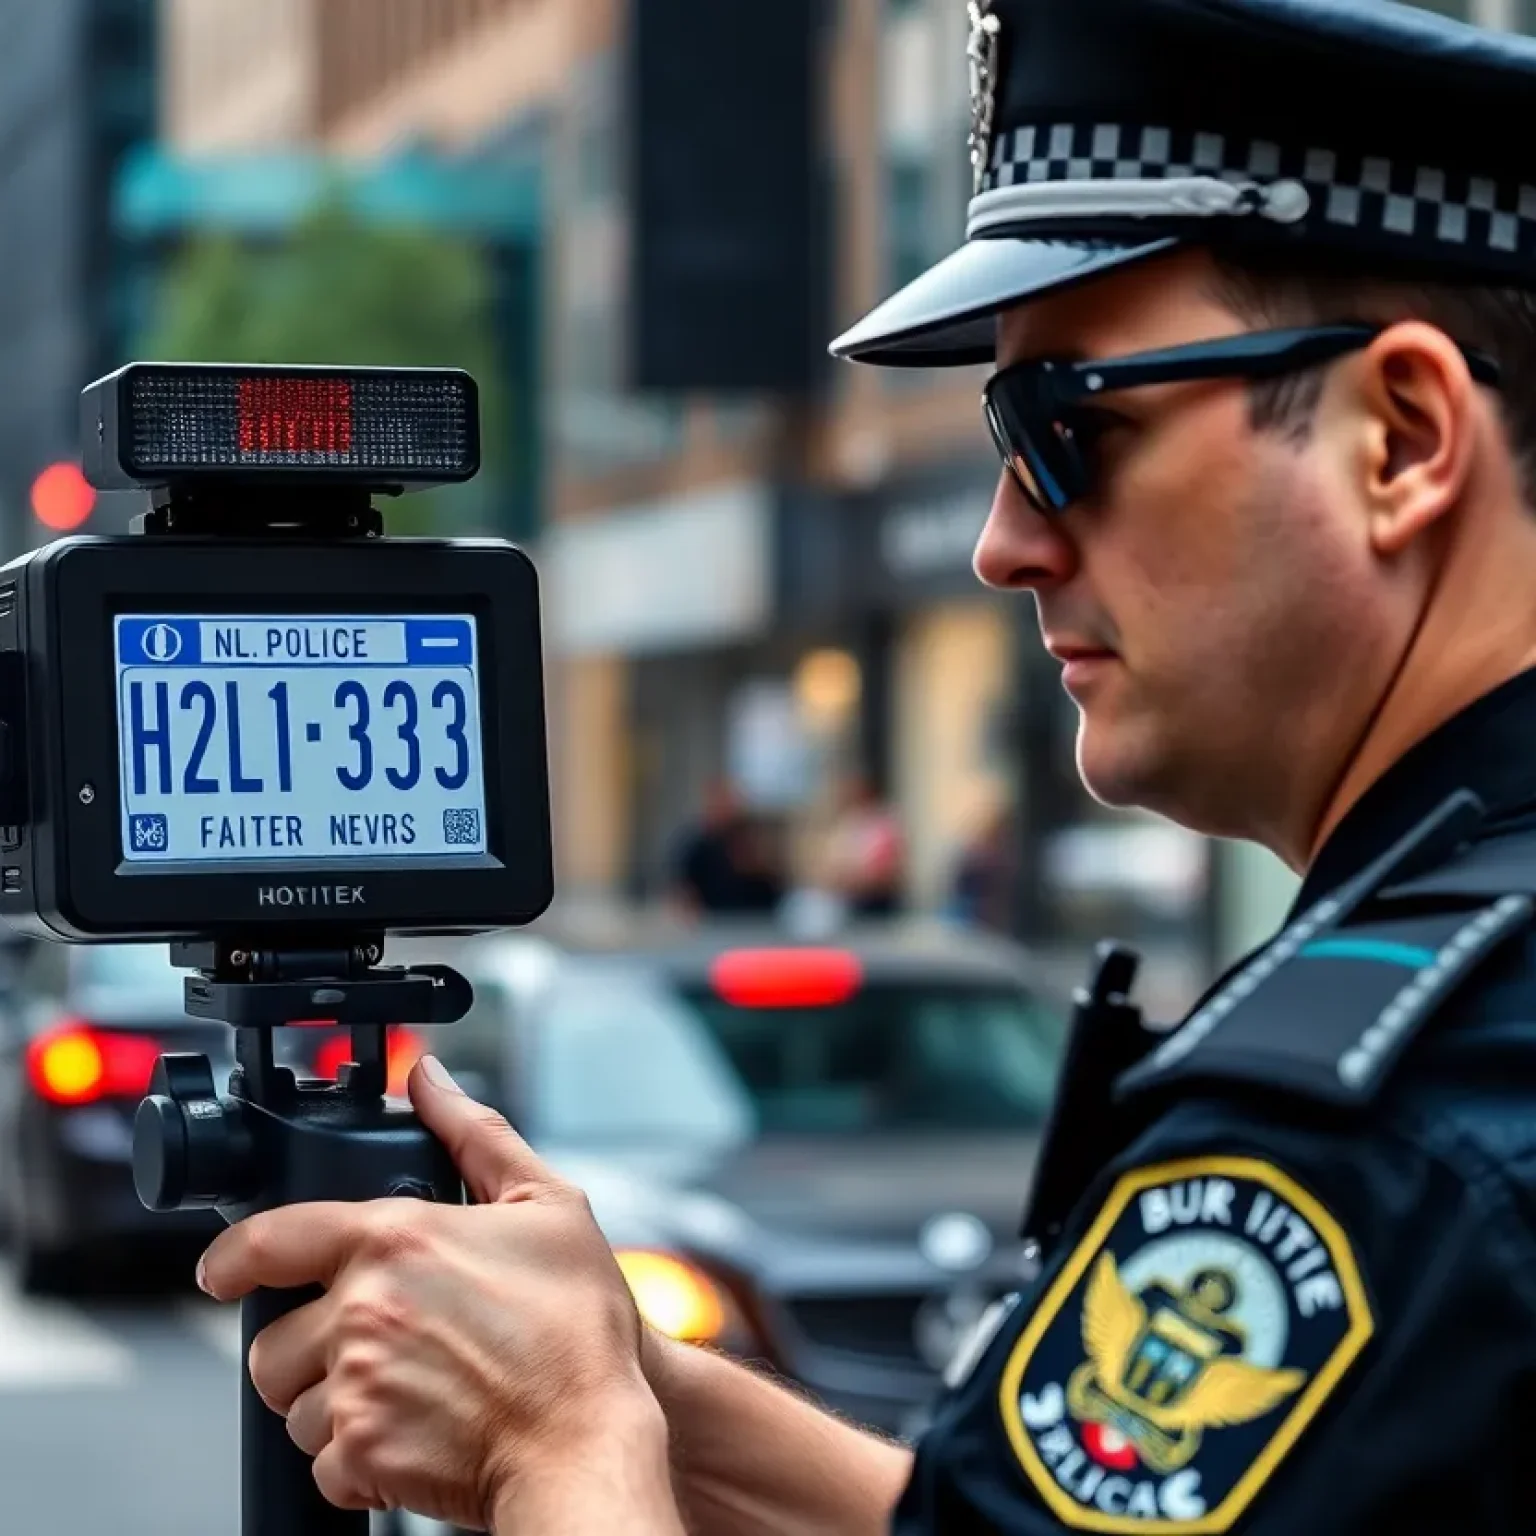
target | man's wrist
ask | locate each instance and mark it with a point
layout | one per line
(617, 1461)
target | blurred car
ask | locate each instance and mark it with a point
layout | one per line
(811, 1156)
(80, 1031)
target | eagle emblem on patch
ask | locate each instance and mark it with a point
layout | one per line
(1196, 1330)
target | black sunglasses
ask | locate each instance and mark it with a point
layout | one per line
(1047, 436)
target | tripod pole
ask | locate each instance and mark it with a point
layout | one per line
(276, 1141)
(278, 1494)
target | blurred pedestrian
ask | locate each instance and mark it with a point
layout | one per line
(866, 864)
(755, 860)
(985, 891)
(724, 865)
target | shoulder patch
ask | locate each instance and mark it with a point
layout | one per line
(1196, 1330)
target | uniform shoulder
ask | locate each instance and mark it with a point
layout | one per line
(1402, 1006)
(1474, 1073)
(1335, 1006)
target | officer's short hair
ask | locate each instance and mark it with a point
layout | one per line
(1277, 290)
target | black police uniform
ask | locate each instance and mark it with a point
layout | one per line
(1288, 1251)
(1330, 1194)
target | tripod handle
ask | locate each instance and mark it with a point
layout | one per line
(318, 1146)
(277, 1480)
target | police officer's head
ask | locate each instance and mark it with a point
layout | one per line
(1328, 506)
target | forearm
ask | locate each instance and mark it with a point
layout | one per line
(621, 1480)
(751, 1459)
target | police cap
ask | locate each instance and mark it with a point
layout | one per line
(1106, 132)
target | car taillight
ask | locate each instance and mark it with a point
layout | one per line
(786, 978)
(406, 1048)
(75, 1064)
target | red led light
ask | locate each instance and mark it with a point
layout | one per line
(295, 416)
(786, 978)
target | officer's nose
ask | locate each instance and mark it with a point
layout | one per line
(1020, 549)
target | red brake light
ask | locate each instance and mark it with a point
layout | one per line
(406, 1048)
(786, 978)
(75, 1064)
(330, 1057)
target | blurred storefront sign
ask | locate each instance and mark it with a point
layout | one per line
(925, 539)
(159, 194)
(890, 550)
(690, 572)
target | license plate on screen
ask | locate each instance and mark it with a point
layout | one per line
(250, 738)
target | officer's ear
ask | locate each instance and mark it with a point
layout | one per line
(1419, 401)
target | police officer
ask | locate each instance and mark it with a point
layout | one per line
(1258, 280)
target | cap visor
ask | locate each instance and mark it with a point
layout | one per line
(947, 317)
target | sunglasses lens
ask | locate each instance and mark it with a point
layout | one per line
(1041, 452)
(1015, 461)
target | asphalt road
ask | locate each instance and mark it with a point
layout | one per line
(118, 1416)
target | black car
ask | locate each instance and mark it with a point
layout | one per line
(80, 1031)
(811, 1156)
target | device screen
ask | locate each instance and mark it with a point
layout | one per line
(251, 737)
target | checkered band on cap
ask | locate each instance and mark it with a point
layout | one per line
(1378, 198)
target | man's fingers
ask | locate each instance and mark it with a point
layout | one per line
(290, 1356)
(281, 1250)
(334, 1479)
(309, 1419)
(489, 1154)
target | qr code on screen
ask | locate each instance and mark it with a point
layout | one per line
(149, 832)
(461, 828)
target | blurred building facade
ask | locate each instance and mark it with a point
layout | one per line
(77, 92)
(775, 591)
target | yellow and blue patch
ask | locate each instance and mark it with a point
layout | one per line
(1205, 1317)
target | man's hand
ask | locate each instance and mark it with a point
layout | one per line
(461, 1355)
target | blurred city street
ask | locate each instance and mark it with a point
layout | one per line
(826, 871)
(118, 1415)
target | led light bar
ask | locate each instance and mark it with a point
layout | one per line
(156, 424)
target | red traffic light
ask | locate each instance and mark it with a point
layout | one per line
(62, 498)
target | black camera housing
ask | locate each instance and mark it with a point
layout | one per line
(63, 874)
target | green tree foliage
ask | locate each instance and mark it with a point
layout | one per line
(339, 291)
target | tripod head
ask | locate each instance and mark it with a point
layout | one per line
(195, 1148)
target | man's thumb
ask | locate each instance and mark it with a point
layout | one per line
(489, 1154)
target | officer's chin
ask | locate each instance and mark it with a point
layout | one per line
(1118, 770)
